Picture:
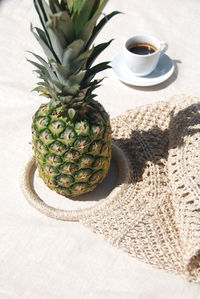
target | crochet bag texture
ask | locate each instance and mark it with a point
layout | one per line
(156, 218)
(155, 215)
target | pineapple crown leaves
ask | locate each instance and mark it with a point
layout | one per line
(69, 30)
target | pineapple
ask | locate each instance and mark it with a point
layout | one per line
(71, 133)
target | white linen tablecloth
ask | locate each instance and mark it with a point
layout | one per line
(48, 259)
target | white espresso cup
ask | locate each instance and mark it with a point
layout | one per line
(142, 53)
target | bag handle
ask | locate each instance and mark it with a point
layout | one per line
(32, 197)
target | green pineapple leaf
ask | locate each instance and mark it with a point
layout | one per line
(97, 50)
(96, 69)
(80, 62)
(44, 19)
(56, 43)
(62, 26)
(99, 26)
(72, 51)
(87, 30)
(76, 78)
(61, 70)
(93, 85)
(54, 6)
(42, 35)
(45, 47)
(42, 16)
(77, 5)
(69, 5)
(46, 9)
(71, 113)
(72, 90)
(84, 13)
(40, 67)
(45, 64)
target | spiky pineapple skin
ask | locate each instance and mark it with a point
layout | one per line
(72, 156)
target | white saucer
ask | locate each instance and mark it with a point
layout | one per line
(162, 72)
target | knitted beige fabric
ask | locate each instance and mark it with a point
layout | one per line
(157, 217)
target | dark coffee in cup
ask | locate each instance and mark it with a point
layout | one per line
(142, 48)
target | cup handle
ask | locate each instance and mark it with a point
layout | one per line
(163, 47)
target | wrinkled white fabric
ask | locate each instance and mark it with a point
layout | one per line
(48, 259)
